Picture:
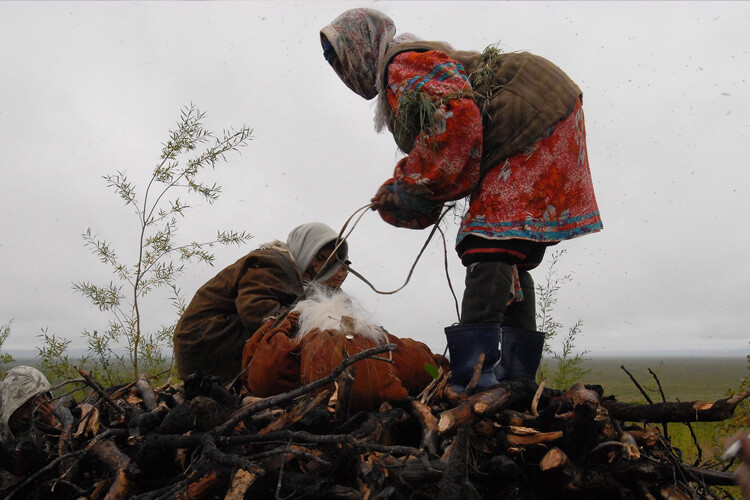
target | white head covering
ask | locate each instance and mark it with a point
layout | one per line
(305, 242)
(20, 384)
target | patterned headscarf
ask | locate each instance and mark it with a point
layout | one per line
(353, 44)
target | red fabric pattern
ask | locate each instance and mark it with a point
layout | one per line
(543, 194)
(443, 165)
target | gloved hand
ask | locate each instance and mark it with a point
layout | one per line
(393, 208)
(386, 200)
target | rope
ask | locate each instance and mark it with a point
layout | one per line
(413, 266)
(435, 228)
(448, 276)
(340, 241)
(362, 211)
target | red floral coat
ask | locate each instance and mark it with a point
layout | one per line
(544, 193)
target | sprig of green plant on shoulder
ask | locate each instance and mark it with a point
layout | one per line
(5, 357)
(568, 364)
(158, 258)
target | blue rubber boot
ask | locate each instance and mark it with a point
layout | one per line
(465, 343)
(520, 354)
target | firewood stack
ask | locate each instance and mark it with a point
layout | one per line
(517, 441)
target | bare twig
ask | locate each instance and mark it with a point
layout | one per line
(95, 385)
(643, 392)
(302, 437)
(469, 389)
(663, 400)
(698, 448)
(44, 470)
(288, 396)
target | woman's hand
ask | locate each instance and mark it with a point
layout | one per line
(386, 200)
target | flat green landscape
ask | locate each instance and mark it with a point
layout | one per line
(683, 379)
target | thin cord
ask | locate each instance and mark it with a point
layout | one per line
(448, 276)
(362, 211)
(414, 265)
(340, 241)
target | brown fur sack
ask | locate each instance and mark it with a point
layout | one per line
(374, 381)
(271, 358)
(277, 363)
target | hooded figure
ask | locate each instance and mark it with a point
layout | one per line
(354, 44)
(505, 130)
(228, 309)
(20, 387)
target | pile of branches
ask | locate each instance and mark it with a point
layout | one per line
(200, 440)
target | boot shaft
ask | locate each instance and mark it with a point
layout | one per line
(465, 343)
(520, 354)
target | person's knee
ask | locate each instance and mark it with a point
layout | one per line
(489, 287)
(527, 282)
(522, 314)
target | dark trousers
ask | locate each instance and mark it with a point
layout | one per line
(489, 282)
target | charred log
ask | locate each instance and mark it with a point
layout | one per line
(695, 411)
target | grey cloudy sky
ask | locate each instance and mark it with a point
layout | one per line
(89, 88)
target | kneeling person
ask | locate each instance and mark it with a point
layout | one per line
(228, 309)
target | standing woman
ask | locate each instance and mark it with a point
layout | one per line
(504, 129)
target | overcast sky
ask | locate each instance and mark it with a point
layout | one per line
(90, 88)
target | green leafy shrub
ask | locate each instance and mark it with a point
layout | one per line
(55, 362)
(5, 358)
(156, 259)
(566, 366)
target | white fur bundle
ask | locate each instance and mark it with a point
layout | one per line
(327, 309)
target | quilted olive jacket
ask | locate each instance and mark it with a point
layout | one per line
(520, 95)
